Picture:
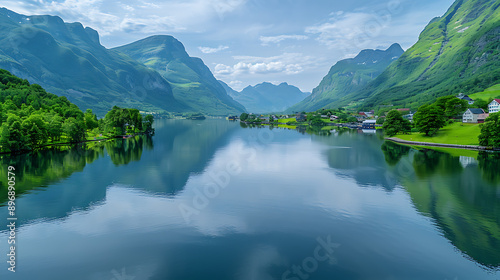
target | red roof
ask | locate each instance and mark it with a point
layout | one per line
(403, 109)
(497, 100)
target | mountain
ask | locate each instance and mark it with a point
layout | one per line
(456, 53)
(267, 97)
(192, 82)
(349, 75)
(68, 60)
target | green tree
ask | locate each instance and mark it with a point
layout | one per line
(90, 119)
(481, 104)
(490, 131)
(244, 116)
(148, 123)
(380, 120)
(17, 139)
(455, 107)
(429, 119)
(394, 123)
(74, 129)
(36, 136)
(351, 119)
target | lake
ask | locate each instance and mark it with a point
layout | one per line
(214, 200)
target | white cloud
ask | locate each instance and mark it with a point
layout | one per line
(236, 85)
(267, 40)
(213, 50)
(353, 30)
(133, 15)
(288, 64)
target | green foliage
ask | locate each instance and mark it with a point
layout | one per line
(315, 120)
(380, 120)
(243, 116)
(394, 123)
(490, 131)
(429, 119)
(90, 120)
(351, 119)
(148, 123)
(74, 129)
(34, 115)
(452, 106)
(479, 103)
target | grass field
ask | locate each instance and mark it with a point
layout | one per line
(487, 94)
(456, 133)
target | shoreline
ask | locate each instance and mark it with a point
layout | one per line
(442, 145)
(75, 143)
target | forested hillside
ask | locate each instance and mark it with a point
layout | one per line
(30, 117)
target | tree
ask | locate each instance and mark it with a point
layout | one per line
(54, 127)
(148, 123)
(380, 120)
(394, 123)
(36, 136)
(455, 107)
(74, 129)
(243, 116)
(429, 119)
(351, 119)
(490, 131)
(5, 137)
(90, 119)
(17, 140)
(481, 104)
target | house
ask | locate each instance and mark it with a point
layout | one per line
(361, 118)
(408, 117)
(481, 118)
(472, 115)
(324, 116)
(333, 117)
(300, 117)
(494, 106)
(368, 124)
(466, 98)
(369, 114)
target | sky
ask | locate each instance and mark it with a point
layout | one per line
(246, 42)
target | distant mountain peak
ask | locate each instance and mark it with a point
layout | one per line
(349, 75)
(267, 97)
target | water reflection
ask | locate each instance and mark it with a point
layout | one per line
(122, 210)
(463, 199)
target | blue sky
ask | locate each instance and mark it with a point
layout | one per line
(245, 42)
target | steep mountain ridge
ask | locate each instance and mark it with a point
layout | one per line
(192, 82)
(349, 75)
(68, 60)
(458, 52)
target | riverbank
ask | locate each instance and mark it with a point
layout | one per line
(99, 139)
(442, 145)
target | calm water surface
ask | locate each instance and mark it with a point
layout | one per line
(214, 200)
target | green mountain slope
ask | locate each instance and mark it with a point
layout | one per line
(68, 60)
(266, 97)
(192, 82)
(458, 52)
(349, 75)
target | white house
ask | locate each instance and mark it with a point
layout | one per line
(472, 115)
(494, 106)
